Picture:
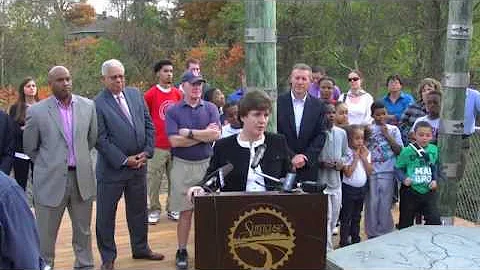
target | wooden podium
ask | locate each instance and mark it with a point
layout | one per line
(261, 230)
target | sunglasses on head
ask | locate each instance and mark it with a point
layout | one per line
(354, 79)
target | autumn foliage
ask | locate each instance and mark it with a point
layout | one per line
(9, 95)
(81, 14)
(220, 64)
(81, 44)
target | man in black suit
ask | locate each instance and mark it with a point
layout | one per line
(7, 143)
(125, 142)
(301, 119)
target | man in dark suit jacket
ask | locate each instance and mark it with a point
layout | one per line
(125, 141)
(302, 120)
(7, 143)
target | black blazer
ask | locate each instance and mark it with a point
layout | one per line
(7, 142)
(18, 132)
(275, 162)
(311, 137)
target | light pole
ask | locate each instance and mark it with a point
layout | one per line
(455, 81)
(261, 52)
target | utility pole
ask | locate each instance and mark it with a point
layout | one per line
(261, 51)
(455, 82)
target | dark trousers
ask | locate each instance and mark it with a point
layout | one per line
(351, 213)
(108, 195)
(412, 202)
(21, 169)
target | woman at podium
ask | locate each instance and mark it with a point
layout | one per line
(247, 161)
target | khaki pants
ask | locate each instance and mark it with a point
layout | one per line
(158, 166)
(185, 174)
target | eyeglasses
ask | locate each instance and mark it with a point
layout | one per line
(119, 76)
(393, 82)
(354, 79)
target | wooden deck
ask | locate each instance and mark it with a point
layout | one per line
(162, 238)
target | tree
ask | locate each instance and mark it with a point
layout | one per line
(81, 14)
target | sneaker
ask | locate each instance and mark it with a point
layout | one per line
(173, 215)
(153, 217)
(335, 231)
(181, 259)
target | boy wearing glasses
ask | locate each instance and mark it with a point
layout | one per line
(416, 168)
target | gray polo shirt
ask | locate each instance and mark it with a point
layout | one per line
(182, 115)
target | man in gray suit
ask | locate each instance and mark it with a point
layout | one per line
(125, 141)
(59, 133)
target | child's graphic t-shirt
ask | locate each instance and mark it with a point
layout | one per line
(418, 168)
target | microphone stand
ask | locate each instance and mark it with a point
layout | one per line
(267, 176)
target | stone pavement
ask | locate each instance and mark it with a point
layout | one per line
(417, 247)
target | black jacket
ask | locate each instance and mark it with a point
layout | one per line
(311, 137)
(276, 161)
(17, 129)
(7, 142)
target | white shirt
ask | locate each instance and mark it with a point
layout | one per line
(228, 131)
(123, 104)
(435, 123)
(164, 90)
(359, 175)
(359, 111)
(383, 157)
(255, 182)
(298, 106)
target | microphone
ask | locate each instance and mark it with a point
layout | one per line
(221, 171)
(312, 187)
(258, 155)
(288, 182)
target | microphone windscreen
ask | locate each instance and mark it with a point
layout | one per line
(289, 181)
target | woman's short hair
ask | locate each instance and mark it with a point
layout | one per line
(428, 81)
(254, 100)
(394, 77)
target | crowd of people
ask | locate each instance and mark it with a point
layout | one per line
(363, 150)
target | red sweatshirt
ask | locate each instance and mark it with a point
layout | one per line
(158, 102)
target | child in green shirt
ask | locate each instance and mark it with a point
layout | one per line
(416, 168)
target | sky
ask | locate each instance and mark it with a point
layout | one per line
(104, 5)
(99, 5)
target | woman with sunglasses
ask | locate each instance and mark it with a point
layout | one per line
(358, 101)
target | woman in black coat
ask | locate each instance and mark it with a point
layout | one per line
(27, 96)
(239, 150)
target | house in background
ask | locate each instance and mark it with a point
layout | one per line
(101, 26)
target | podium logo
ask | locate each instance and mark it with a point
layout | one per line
(261, 239)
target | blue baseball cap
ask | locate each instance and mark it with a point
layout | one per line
(192, 78)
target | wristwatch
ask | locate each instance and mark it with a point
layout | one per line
(190, 134)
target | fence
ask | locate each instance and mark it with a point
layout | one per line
(468, 196)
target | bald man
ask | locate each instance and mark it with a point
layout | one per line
(59, 133)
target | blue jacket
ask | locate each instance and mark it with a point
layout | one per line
(19, 241)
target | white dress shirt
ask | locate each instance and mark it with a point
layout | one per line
(298, 106)
(120, 98)
(255, 182)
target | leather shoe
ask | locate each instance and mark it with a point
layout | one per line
(154, 256)
(107, 266)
